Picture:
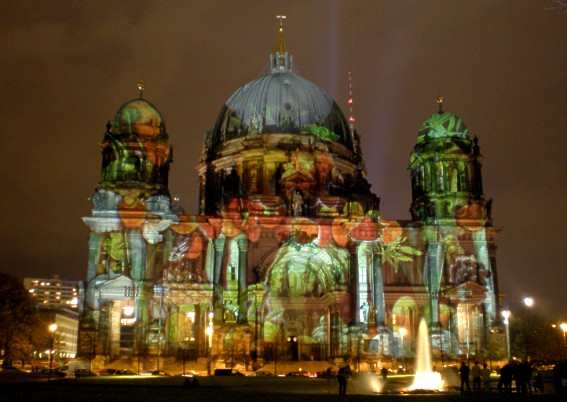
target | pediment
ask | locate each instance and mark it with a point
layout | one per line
(469, 291)
(117, 288)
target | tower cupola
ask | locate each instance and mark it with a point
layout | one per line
(446, 171)
(135, 149)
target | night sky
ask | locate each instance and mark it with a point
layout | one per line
(66, 67)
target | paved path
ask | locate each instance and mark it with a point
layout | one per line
(217, 389)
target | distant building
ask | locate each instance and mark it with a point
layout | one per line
(54, 292)
(66, 335)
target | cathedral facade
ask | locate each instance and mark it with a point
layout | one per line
(289, 256)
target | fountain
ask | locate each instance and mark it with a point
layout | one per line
(425, 378)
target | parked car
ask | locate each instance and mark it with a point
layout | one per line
(295, 374)
(52, 372)
(264, 373)
(107, 371)
(84, 373)
(160, 372)
(124, 372)
(227, 372)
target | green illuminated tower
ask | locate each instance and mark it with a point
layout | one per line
(456, 229)
(128, 241)
(446, 171)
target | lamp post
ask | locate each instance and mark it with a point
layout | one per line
(403, 332)
(506, 316)
(184, 352)
(52, 329)
(563, 327)
(209, 331)
(528, 303)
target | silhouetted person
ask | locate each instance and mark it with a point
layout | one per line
(518, 377)
(558, 371)
(525, 375)
(464, 372)
(538, 382)
(384, 375)
(342, 377)
(485, 374)
(476, 376)
(506, 374)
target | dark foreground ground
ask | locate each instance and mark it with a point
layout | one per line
(229, 389)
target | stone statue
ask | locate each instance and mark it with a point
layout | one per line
(296, 204)
(364, 312)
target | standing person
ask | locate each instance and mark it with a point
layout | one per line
(384, 375)
(342, 377)
(464, 372)
(518, 377)
(525, 373)
(506, 374)
(476, 376)
(538, 382)
(485, 375)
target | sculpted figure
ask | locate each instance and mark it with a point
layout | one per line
(296, 203)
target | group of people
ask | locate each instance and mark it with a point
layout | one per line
(480, 377)
(522, 373)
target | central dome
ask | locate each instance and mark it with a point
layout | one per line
(281, 102)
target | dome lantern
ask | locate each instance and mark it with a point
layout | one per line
(280, 59)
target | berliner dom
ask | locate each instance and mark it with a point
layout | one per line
(288, 256)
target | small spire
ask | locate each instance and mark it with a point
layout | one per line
(350, 104)
(141, 87)
(280, 44)
(439, 102)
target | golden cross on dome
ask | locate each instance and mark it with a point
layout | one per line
(141, 87)
(439, 102)
(280, 45)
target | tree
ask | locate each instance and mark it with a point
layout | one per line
(531, 335)
(18, 318)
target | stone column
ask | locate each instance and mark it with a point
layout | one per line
(433, 273)
(94, 252)
(115, 314)
(354, 289)
(217, 285)
(137, 253)
(483, 257)
(242, 279)
(210, 260)
(378, 290)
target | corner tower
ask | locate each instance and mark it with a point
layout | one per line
(128, 240)
(458, 238)
(445, 171)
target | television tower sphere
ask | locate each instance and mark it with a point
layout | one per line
(528, 301)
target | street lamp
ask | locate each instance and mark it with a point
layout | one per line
(403, 332)
(209, 332)
(563, 327)
(52, 329)
(528, 301)
(506, 316)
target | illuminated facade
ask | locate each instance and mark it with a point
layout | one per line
(289, 253)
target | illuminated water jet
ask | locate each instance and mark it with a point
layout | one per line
(425, 378)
